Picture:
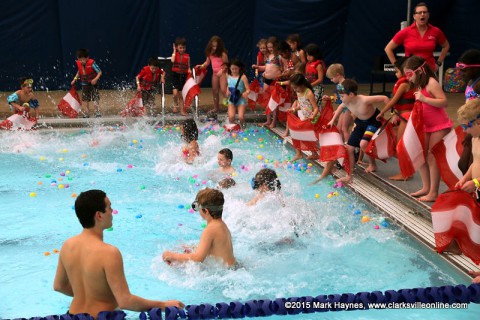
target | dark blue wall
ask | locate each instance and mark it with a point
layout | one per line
(39, 38)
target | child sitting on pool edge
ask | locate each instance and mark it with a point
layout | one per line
(190, 136)
(216, 240)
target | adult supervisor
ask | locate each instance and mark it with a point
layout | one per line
(90, 270)
(420, 39)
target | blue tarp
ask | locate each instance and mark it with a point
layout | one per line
(39, 38)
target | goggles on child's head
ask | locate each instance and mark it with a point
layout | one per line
(342, 90)
(254, 183)
(27, 82)
(470, 123)
(462, 66)
(197, 206)
(409, 74)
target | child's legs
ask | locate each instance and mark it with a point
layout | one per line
(371, 161)
(215, 91)
(351, 160)
(231, 113)
(223, 85)
(435, 137)
(401, 130)
(175, 97)
(241, 113)
(346, 122)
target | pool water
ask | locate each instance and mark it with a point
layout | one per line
(310, 241)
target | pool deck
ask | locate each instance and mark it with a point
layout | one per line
(392, 197)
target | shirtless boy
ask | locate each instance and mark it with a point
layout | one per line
(216, 240)
(365, 112)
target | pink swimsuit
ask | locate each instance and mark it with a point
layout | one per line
(435, 119)
(216, 63)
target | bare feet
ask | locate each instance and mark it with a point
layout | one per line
(453, 248)
(265, 124)
(313, 156)
(419, 193)
(272, 125)
(297, 156)
(428, 198)
(361, 163)
(182, 113)
(175, 109)
(371, 168)
(476, 274)
(346, 179)
(399, 177)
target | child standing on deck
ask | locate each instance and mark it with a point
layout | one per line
(401, 105)
(366, 124)
(261, 56)
(306, 105)
(298, 55)
(180, 70)
(190, 150)
(147, 82)
(238, 90)
(436, 120)
(336, 74)
(217, 56)
(271, 71)
(314, 70)
(88, 73)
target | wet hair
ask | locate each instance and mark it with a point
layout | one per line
(424, 72)
(335, 69)
(237, 62)
(227, 153)
(349, 86)
(180, 42)
(469, 111)
(313, 50)
(190, 130)
(261, 42)
(211, 197)
(299, 80)
(153, 61)
(471, 56)
(267, 177)
(82, 53)
(284, 47)
(87, 204)
(226, 183)
(399, 63)
(220, 47)
(295, 37)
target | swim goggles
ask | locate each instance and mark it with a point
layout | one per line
(462, 66)
(27, 82)
(197, 206)
(409, 74)
(470, 123)
(342, 90)
(254, 183)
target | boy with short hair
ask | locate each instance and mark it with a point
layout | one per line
(225, 158)
(216, 240)
(180, 70)
(366, 124)
(147, 82)
(22, 100)
(88, 73)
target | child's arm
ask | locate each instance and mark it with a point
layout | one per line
(400, 91)
(74, 79)
(162, 76)
(98, 71)
(337, 113)
(188, 64)
(246, 84)
(205, 64)
(320, 75)
(202, 251)
(313, 101)
(303, 57)
(438, 98)
(172, 58)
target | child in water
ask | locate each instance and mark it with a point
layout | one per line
(190, 136)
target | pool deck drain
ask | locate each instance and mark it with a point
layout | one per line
(405, 210)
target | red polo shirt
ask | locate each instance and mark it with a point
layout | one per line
(420, 46)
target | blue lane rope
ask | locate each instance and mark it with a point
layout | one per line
(266, 307)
